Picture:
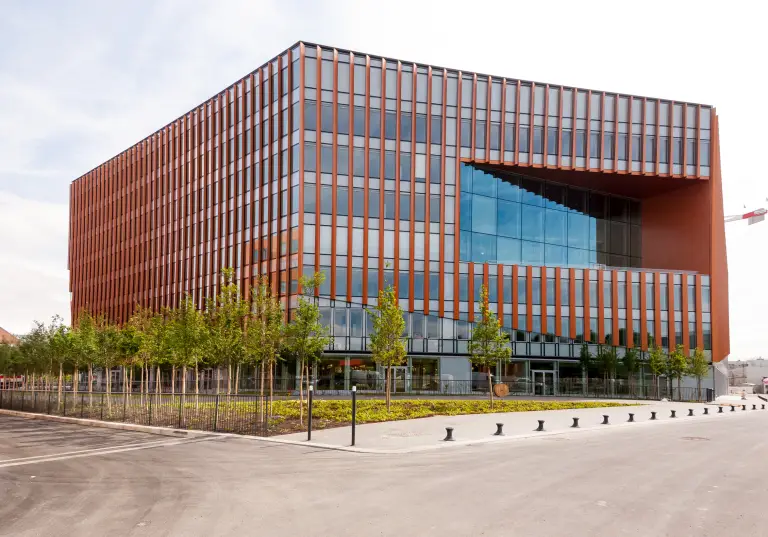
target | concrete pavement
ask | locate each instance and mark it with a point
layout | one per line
(693, 477)
(428, 433)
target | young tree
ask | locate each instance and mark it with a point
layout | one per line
(61, 353)
(107, 353)
(657, 364)
(188, 335)
(226, 314)
(608, 360)
(632, 366)
(387, 341)
(305, 336)
(83, 348)
(585, 361)
(489, 344)
(141, 321)
(698, 369)
(678, 367)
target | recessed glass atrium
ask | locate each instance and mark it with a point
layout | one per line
(514, 219)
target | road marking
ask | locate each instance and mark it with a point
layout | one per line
(132, 444)
(105, 451)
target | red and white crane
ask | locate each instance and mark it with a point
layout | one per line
(753, 217)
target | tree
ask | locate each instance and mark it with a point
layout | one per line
(83, 348)
(387, 342)
(226, 317)
(678, 367)
(156, 347)
(489, 344)
(698, 369)
(188, 336)
(585, 361)
(657, 364)
(107, 353)
(305, 336)
(62, 346)
(608, 359)
(141, 321)
(632, 366)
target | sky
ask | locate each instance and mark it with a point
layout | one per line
(84, 79)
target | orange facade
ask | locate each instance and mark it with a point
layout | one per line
(223, 186)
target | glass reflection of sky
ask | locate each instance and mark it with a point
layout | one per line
(519, 220)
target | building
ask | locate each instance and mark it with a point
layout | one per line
(591, 216)
(749, 372)
(7, 338)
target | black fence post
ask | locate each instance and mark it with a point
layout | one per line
(101, 411)
(179, 411)
(216, 414)
(125, 405)
(354, 412)
(149, 396)
(309, 420)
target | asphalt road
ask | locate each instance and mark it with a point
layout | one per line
(698, 478)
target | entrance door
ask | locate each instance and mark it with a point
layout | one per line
(400, 380)
(543, 383)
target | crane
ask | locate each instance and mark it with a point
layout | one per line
(753, 217)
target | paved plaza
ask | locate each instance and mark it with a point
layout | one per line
(701, 476)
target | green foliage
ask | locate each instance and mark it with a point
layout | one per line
(265, 326)
(387, 342)
(305, 336)
(187, 334)
(585, 358)
(699, 366)
(608, 360)
(226, 317)
(489, 344)
(630, 361)
(339, 412)
(678, 364)
(657, 361)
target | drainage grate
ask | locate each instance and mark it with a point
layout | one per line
(695, 438)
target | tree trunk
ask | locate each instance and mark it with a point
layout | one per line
(173, 380)
(141, 386)
(237, 379)
(197, 382)
(90, 385)
(698, 389)
(61, 381)
(262, 405)
(679, 391)
(490, 385)
(218, 379)
(75, 382)
(229, 379)
(109, 389)
(586, 382)
(184, 383)
(125, 386)
(271, 382)
(387, 387)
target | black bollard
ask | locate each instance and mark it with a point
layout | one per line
(754, 407)
(673, 414)
(354, 412)
(690, 412)
(499, 432)
(762, 407)
(631, 417)
(605, 419)
(541, 425)
(575, 423)
(733, 408)
(653, 415)
(706, 410)
(719, 410)
(448, 434)
(743, 407)
(309, 413)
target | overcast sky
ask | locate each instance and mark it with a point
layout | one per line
(82, 80)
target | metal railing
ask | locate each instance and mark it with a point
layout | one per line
(242, 414)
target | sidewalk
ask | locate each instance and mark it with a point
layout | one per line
(428, 433)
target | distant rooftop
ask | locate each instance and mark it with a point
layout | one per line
(7, 337)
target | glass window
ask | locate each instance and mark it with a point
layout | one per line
(581, 144)
(484, 214)
(508, 251)
(566, 143)
(405, 126)
(565, 291)
(552, 141)
(532, 223)
(374, 123)
(521, 289)
(483, 248)
(421, 128)
(538, 140)
(535, 291)
(342, 201)
(523, 145)
(405, 206)
(650, 149)
(509, 137)
(373, 203)
(705, 298)
(533, 253)
(436, 131)
(594, 144)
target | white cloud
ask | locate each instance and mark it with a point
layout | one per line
(85, 80)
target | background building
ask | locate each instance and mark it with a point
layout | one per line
(591, 216)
